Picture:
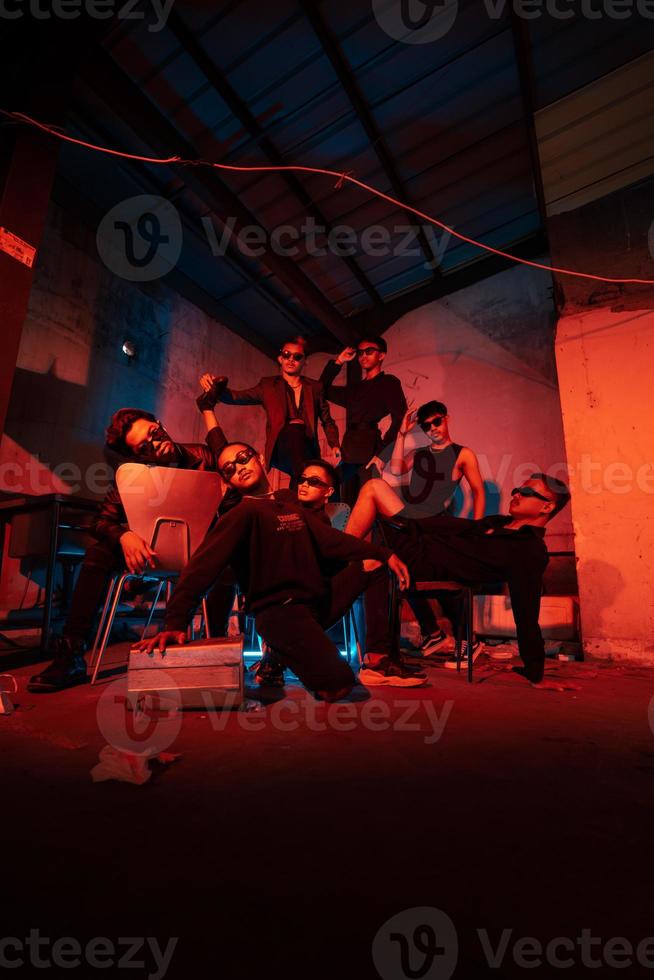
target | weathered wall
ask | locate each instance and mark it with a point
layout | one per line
(487, 352)
(71, 373)
(606, 365)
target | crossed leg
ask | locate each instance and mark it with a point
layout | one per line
(375, 497)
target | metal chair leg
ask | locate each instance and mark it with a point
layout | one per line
(469, 630)
(357, 644)
(394, 617)
(346, 636)
(152, 608)
(205, 616)
(110, 622)
(103, 618)
(459, 632)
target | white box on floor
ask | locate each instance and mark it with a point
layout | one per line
(201, 674)
(558, 617)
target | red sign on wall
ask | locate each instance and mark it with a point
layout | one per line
(16, 247)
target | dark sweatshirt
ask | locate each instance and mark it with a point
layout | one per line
(278, 552)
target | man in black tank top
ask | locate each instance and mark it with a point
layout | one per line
(436, 470)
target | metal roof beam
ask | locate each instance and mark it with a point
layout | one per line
(249, 122)
(142, 116)
(374, 134)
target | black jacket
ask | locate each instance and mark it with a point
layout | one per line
(476, 552)
(279, 552)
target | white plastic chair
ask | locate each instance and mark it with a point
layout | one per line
(172, 509)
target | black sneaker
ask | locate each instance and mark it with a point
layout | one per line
(477, 648)
(66, 670)
(390, 674)
(268, 672)
(432, 642)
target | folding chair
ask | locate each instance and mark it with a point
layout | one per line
(172, 509)
(430, 590)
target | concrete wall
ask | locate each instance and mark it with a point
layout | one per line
(487, 352)
(606, 365)
(71, 373)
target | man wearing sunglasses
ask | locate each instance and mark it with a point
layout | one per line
(133, 435)
(366, 403)
(435, 471)
(293, 406)
(502, 548)
(283, 560)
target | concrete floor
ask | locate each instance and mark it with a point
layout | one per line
(285, 838)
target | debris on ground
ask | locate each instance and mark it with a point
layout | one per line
(127, 767)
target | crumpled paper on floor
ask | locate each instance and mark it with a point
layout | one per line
(125, 767)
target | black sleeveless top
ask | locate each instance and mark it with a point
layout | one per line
(431, 488)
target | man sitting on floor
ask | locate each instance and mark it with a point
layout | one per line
(281, 556)
(502, 548)
(315, 485)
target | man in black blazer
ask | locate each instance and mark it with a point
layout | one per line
(293, 405)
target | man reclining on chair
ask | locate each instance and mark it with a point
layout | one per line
(133, 435)
(283, 558)
(501, 548)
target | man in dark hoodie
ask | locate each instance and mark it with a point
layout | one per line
(283, 557)
(133, 435)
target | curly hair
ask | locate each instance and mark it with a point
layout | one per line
(120, 424)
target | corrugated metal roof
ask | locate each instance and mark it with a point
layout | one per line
(310, 85)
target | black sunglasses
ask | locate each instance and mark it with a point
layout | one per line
(245, 455)
(362, 351)
(529, 492)
(154, 435)
(428, 423)
(314, 482)
(288, 356)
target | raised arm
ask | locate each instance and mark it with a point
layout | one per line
(401, 462)
(469, 466)
(338, 395)
(243, 396)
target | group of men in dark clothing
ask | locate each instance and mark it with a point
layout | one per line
(297, 574)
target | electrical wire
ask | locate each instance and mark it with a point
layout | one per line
(341, 178)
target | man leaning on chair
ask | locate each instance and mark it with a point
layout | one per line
(133, 435)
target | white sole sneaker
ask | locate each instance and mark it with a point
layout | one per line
(375, 678)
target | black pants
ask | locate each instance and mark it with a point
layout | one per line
(377, 603)
(292, 448)
(105, 559)
(352, 477)
(296, 631)
(425, 615)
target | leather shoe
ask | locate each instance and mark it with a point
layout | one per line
(66, 670)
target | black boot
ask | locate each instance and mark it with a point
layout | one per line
(268, 672)
(66, 670)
